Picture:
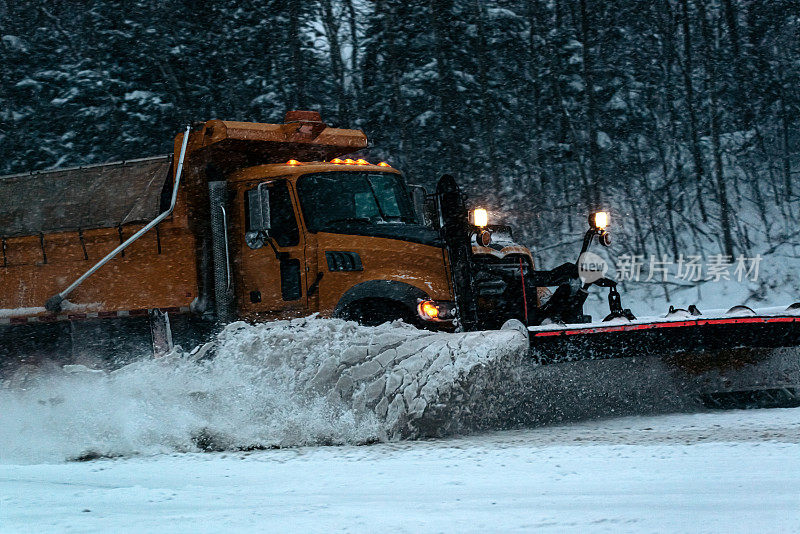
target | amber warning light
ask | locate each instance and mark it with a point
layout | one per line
(428, 309)
(348, 161)
(435, 310)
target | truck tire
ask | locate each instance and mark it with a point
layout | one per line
(375, 302)
(373, 312)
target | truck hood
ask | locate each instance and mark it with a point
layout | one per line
(414, 233)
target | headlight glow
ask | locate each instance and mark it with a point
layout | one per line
(480, 217)
(599, 220)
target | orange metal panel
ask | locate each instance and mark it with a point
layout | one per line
(145, 246)
(24, 251)
(143, 278)
(421, 266)
(63, 247)
(100, 242)
(259, 270)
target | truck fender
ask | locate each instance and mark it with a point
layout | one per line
(400, 292)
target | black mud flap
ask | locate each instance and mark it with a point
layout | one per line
(98, 343)
(161, 332)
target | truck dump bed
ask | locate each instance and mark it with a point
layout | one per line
(54, 225)
(83, 198)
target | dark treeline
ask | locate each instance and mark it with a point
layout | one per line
(681, 116)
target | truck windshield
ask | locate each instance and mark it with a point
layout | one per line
(331, 200)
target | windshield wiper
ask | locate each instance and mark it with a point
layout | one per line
(397, 219)
(375, 196)
(366, 220)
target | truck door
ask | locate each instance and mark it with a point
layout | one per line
(273, 274)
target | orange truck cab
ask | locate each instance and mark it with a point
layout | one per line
(343, 240)
(246, 221)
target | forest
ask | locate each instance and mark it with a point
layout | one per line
(678, 116)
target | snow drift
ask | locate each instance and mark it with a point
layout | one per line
(287, 383)
(318, 382)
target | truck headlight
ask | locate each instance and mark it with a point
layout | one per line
(480, 217)
(598, 220)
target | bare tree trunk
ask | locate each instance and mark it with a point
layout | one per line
(719, 176)
(711, 59)
(594, 180)
(330, 22)
(744, 103)
(354, 65)
(395, 71)
(667, 24)
(534, 90)
(688, 85)
(297, 67)
(755, 186)
(441, 12)
(733, 27)
(670, 207)
(637, 224)
(370, 70)
(487, 113)
(567, 128)
(786, 156)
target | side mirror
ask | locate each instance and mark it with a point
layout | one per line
(258, 208)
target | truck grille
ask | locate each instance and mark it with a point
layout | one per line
(495, 276)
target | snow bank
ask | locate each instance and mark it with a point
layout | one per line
(287, 383)
(714, 472)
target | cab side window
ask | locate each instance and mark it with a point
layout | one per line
(283, 224)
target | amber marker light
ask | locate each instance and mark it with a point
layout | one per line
(337, 161)
(383, 164)
(293, 162)
(349, 161)
(362, 162)
(428, 309)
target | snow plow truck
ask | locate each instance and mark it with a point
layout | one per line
(247, 221)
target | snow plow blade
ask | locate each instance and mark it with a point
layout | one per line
(725, 362)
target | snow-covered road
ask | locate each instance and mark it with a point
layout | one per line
(710, 472)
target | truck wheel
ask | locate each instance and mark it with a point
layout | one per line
(373, 312)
